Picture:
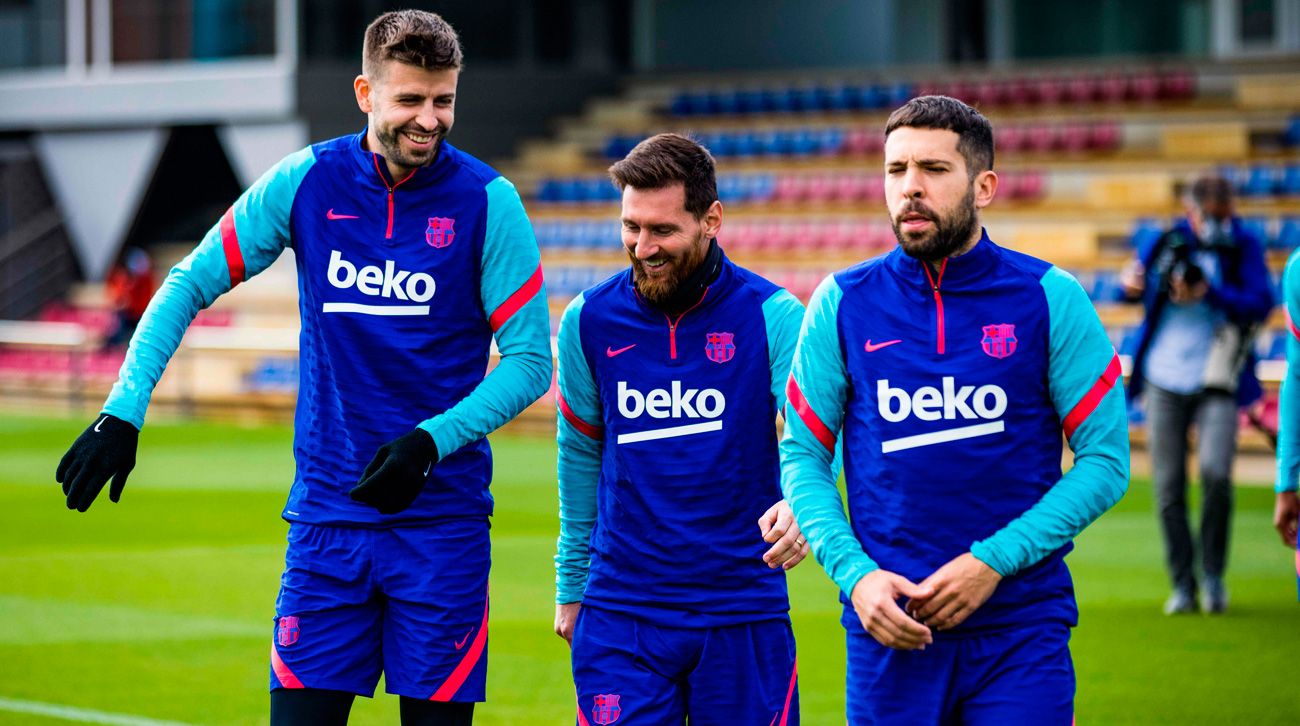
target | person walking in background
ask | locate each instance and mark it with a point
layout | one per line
(951, 369)
(412, 257)
(671, 376)
(1204, 287)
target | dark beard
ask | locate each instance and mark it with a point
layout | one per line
(950, 233)
(663, 292)
(391, 148)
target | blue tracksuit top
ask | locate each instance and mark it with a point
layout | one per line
(951, 392)
(402, 286)
(668, 450)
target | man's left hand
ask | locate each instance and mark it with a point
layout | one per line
(1286, 517)
(779, 528)
(397, 473)
(960, 588)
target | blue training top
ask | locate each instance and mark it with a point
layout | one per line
(402, 286)
(951, 391)
(668, 450)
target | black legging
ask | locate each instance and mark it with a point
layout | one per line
(316, 707)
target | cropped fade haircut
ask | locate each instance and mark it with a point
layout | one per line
(667, 159)
(974, 132)
(415, 37)
(1211, 190)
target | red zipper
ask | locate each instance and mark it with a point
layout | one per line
(672, 326)
(388, 234)
(938, 299)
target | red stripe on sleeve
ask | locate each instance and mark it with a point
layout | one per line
(282, 672)
(590, 430)
(230, 243)
(1290, 324)
(808, 416)
(517, 300)
(457, 678)
(1092, 399)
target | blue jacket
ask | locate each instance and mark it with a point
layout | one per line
(952, 394)
(402, 286)
(1245, 296)
(668, 450)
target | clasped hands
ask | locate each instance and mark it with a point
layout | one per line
(939, 602)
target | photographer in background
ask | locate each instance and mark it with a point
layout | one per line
(1205, 289)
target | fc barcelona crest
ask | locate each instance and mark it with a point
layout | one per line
(999, 340)
(288, 632)
(606, 710)
(441, 232)
(720, 347)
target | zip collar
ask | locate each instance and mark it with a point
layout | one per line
(962, 272)
(373, 168)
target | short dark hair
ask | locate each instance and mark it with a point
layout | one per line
(1208, 189)
(414, 37)
(666, 159)
(974, 132)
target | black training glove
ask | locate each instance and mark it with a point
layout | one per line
(395, 477)
(106, 449)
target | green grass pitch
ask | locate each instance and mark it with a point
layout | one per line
(160, 607)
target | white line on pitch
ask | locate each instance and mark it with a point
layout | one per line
(80, 715)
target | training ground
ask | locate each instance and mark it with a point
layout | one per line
(159, 609)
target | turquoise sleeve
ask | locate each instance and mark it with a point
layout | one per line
(247, 239)
(580, 436)
(1084, 381)
(1288, 408)
(782, 314)
(816, 392)
(514, 298)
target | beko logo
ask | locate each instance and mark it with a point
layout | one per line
(947, 403)
(675, 402)
(387, 282)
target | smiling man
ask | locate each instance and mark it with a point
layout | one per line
(951, 369)
(412, 256)
(671, 375)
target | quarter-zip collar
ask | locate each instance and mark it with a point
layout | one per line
(962, 272)
(373, 168)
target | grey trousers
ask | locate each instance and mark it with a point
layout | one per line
(1170, 417)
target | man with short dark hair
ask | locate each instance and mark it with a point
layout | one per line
(949, 369)
(671, 375)
(1204, 287)
(412, 256)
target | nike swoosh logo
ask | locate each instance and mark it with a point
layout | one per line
(101, 423)
(873, 348)
(428, 468)
(461, 643)
(611, 352)
(331, 215)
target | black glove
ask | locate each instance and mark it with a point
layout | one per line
(106, 449)
(395, 477)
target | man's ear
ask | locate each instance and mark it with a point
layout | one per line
(362, 87)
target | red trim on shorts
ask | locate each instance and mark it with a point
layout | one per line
(1093, 398)
(457, 678)
(789, 693)
(591, 431)
(582, 717)
(230, 243)
(516, 301)
(282, 673)
(807, 415)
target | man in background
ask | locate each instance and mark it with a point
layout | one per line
(1204, 287)
(412, 257)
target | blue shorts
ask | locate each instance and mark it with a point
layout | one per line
(1005, 677)
(628, 670)
(410, 602)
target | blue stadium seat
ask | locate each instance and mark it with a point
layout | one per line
(1291, 137)
(1290, 184)
(1288, 235)
(1261, 181)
